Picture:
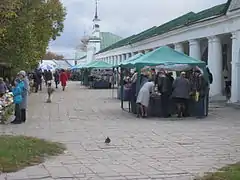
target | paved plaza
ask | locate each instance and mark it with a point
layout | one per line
(164, 149)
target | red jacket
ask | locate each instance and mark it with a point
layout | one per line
(63, 78)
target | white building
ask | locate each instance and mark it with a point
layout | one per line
(212, 35)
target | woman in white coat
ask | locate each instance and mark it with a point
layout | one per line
(144, 97)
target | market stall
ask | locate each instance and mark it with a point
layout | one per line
(97, 75)
(167, 59)
(6, 107)
(125, 96)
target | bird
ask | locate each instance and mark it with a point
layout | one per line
(107, 140)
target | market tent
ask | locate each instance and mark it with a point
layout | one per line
(164, 56)
(78, 66)
(127, 61)
(98, 64)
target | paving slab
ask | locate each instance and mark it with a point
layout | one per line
(154, 148)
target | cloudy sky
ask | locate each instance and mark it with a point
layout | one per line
(122, 17)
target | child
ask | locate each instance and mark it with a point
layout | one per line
(17, 91)
(49, 91)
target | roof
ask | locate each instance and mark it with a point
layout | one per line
(108, 39)
(185, 20)
(62, 64)
(163, 56)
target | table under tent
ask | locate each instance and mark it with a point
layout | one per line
(163, 58)
(117, 68)
(97, 75)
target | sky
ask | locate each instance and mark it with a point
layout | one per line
(121, 17)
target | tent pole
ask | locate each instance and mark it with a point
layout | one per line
(121, 84)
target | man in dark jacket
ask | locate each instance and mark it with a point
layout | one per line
(56, 78)
(36, 80)
(201, 88)
(165, 88)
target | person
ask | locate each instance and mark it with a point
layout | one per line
(45, 72)
(144, 97)
(56, 78)
(8, 84)
(36, 80)
(181, 91)
(39, 74)
(201, 86)
(165, 89)
(23, 105)
(17, 90)
(3, 87)
(63, 79)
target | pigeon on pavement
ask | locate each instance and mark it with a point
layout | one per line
(108, 140)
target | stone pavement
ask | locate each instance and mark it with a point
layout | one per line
(164, 149)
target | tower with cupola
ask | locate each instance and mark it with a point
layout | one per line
(94, 41)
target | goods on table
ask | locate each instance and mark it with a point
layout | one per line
(6, 106)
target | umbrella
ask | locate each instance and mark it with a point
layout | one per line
(46, 67)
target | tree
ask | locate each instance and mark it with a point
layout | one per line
(51, 55)
(25, 36)
(83, 45)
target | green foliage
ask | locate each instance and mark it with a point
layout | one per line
(230, 172)
(27, 26)
(18, 152)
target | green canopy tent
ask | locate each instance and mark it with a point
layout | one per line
(94, 65)
(98, 65)
(161, 56)
(164, 56)
(129, 60)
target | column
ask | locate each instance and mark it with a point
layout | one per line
(235, 95)
(111, 59)
(215, 64)
(128, 55)
(123, 58)
(179, 47)
(194, 49)
(118, 59)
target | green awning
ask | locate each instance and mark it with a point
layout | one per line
(164, 56)
(127, 61)
(98, 64)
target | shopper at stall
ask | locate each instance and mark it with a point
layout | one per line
(23, 105)
(17, 90)
(3, 87)
(200, 94)
(181, 91)
(63, 79)
(144, 97)
(165, 89)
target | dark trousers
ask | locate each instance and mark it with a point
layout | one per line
(40, 86)
(23, 115)
(165, 104)
(199, 108)
(17, 113)
(36, 85)
(186, 110)
(56, 83)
